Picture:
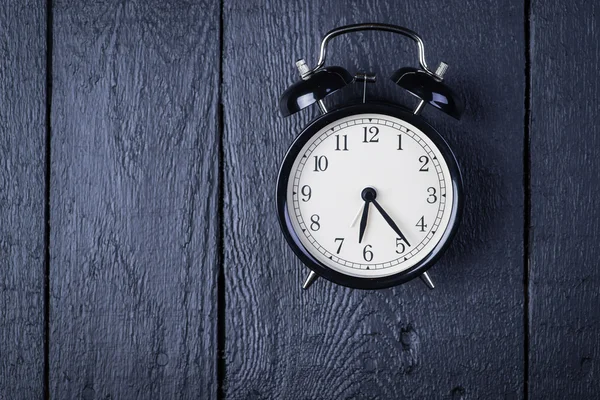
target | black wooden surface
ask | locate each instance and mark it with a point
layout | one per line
(565, 216)
(464, 339)
(168, 275)
(22, 158)
(133, 201)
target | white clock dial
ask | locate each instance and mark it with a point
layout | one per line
(412, 183)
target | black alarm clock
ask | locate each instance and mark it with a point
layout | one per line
(369, 195)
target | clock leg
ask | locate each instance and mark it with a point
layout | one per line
(427, 280)
(310, 279)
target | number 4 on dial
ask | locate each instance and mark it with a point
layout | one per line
(421, 224)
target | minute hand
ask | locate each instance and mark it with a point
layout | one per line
(389, 220)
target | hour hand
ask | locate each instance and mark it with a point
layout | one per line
(363, 222)
(390, 221)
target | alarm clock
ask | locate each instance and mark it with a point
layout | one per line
(369, 195)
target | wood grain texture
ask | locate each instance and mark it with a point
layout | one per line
(134, 200)
(22, 171)
(463, 340)
(564, 278)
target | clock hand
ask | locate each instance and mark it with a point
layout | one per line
(389, 220)
(363, 221)
(358, 212)
(368, 194)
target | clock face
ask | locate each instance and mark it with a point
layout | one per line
(370, 195)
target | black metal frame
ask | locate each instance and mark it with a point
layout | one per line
(292, 237)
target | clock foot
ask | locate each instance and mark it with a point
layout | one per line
(312, 277)
(427, 280)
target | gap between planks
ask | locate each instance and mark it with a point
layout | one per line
(221, 309)
(47, 181)
(526, 196)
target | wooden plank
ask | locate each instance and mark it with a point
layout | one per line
(134, 199)
(462, 340)
(22, 183)
(564, 276)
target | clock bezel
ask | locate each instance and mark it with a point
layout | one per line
(305, 255)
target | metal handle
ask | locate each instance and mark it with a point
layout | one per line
(369, 27)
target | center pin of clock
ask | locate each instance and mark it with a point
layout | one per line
(368, 194)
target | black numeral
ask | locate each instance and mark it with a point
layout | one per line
(374, 131)
(321, 163)
(306, 192)
(421, 224)
(341, 240)
(432, 198)
(367, 253)
(314, 222)
(400, 142)
(425, 161)
(341, 143)
(400, 246)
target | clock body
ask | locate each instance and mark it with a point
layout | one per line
(385, 149)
